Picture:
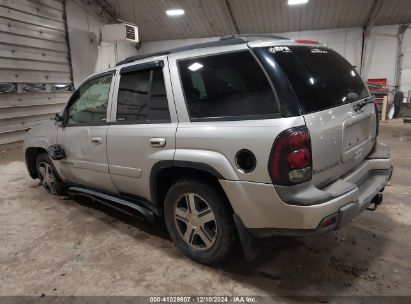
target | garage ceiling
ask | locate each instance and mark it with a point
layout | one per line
(208, 18)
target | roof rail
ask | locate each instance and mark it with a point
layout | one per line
(203, 45)
(190, 47)
(223, 41)
(247, 37)
(138, 57)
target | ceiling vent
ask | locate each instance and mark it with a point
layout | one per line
(119, 32)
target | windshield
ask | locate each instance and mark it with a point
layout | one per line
(320, 77)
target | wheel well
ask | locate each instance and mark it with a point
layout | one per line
(167, 176)
(31, 156)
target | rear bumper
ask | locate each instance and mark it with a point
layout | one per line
(264, 213)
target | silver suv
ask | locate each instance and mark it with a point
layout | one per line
(246, 137)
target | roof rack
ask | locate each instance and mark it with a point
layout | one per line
(220, 42)
(223, 41)
(246, 37)
(203, 45)
(138, 57)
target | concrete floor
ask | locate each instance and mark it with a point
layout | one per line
(56, 246)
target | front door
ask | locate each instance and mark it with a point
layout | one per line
(84, 134)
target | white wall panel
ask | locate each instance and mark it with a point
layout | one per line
(33, 8)
(347, 41)
(9, 51)
(380, 56)
(29, 30)
(58, 5)
(405, 79)
(32, 99)
(12, 75)
(88, 54)
(10, 13)
(12, 112)
(21, 123)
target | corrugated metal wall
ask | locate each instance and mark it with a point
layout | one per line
(35, 59)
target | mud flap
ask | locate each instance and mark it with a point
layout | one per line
(251, 245)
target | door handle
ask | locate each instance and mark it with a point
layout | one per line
(96, 140)
(157, 142)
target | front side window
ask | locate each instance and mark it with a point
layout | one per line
(142, 98)
(89, 105)
(228, 86)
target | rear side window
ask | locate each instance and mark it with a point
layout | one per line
(320, 77)
(142, 98)
(227, 86)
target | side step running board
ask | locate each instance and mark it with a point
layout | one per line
(111, 201)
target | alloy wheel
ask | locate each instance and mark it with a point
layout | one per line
(47, 178)
(195, 221)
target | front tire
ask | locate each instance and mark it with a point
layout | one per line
(199, 221)
(48, 176)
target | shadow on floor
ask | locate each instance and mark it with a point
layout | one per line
(325, 264)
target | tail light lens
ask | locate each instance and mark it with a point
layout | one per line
(290, 159)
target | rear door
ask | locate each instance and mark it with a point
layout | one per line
(336, 105)
(143, 126)
(226, 108)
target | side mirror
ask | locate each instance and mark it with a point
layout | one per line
(58, 118)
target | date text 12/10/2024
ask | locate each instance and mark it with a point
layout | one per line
(203, 299)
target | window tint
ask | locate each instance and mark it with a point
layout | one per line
(158, 110)
(320, 77)
(142, 98)
(226, 86)
(198, 84)
(90, 102)
(133, 97)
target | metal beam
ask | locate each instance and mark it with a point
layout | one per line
(108, 9)
(102, 9)
(372, 15)
(367, 27)
(226, 6)
(398, 63)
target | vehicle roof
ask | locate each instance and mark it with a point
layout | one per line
(223, 41)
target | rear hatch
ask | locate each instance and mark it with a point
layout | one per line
(335, 103)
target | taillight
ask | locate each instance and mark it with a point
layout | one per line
(290, 159)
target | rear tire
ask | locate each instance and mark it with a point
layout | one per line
(48, 176)
(199, 221)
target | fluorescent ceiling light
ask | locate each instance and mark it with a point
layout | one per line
(195, 66)
(175, 12)
(296, 2)
(311, 80)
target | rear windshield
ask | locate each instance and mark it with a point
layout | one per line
(320, 77)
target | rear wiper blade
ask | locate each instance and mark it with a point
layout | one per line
(362, 104)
